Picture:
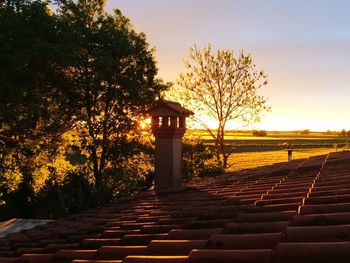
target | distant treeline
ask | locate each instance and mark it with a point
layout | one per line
(260, 133)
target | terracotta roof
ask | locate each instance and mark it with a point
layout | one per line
(288, 212)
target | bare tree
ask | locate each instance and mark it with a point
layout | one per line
(223, 87)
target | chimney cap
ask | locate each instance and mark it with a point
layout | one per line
(168, 108)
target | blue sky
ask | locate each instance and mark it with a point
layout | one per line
(304, 47)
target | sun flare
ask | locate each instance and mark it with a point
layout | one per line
(144, 123)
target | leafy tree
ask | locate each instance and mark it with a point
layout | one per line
(343, 133)
(71, 84)
(31, 74)
(223, 87)
(113, 70)
(328, 132)
(33, 111)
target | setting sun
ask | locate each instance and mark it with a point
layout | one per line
(144, 123)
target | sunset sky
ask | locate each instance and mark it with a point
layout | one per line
(304, 46)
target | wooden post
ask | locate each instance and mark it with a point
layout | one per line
(290, 152)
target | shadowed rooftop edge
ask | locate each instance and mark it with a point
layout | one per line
(288, 212)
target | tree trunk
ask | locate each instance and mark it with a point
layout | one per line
(96, 170)
(60, 198)
(225, 159)
(217, 151)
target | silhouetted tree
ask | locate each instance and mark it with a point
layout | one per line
(33, 109)
(76, 73)
(260, 133)
(343, 133)
(223, 87)
(113, 70)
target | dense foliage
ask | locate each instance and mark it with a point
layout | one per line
(72, 83)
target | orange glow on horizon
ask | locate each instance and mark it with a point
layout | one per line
(268, 123)
(284, 121)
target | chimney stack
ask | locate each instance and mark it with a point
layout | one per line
(168, 126)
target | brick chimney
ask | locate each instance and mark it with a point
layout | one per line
(168, 126)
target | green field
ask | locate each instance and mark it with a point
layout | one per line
(252, 151)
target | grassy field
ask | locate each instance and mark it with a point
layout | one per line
(252, 151)
(248, 160)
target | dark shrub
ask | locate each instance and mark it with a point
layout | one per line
(195, 157)
(260, 133)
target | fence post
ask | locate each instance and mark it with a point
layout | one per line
(290, 152)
